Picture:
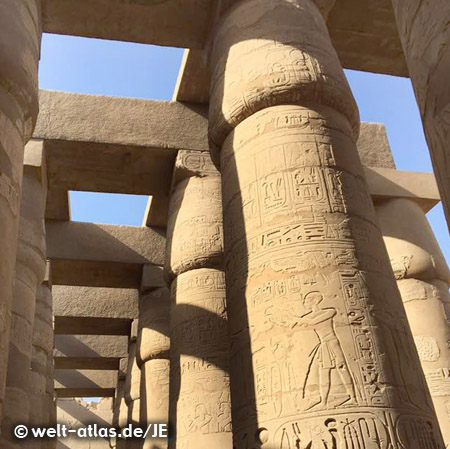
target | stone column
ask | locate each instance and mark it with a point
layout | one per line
(133, 380)
(423, 279)
(119, 404)
(321, 351)
(43, 336)
(424, 32)
(50, 399)
(153, 359)
(120, 410)
(29, 274)
(20, 32)
(200, 408)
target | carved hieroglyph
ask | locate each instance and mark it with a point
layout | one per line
(19, 55)
(423, 279)
(200, 408)
(423, 28)
(153, 359)
(200, 353)
(321, 352)
(30, 271)
(195, 239)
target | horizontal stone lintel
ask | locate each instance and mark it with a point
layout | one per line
(95, 302)
(111, 144)
(85, 392)
(68, 325)
(102, 255)
(363, 32)
(87, 363)
(104, 379)
(385, 183)
(90, 346)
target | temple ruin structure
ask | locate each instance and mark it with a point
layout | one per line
(285, 290)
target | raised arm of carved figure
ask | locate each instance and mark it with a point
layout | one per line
(314, 318)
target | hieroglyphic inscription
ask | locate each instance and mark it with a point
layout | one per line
(195, 237)
(325, 322)
(200, 359)
(273, 65)
(191, 163)
(200, 403)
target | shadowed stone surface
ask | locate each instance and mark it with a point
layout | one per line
(42, 409)
(423, 279)
(76, 413)
(102, 255)
(200, 403)
(89, 351)
(316, 321)
(423, 26)
(29, 274)
(153, 347)
(20, 33)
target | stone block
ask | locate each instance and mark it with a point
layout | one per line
(85, 379)
(93, 302)
(102, 255)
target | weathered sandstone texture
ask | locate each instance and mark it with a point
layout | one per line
(19, 54)
(41, 394)
(423, 279)
(76, 413)
(321, 351)
(133, 383)
(29, 274)
(153, 359)
(200, 404)
(423, 27)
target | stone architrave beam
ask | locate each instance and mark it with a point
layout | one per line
(89, 351)
(120, 145)
(94, 311)
(176, 23)
(102, 255)
(386, 183)
(362, 31)
(85, 383)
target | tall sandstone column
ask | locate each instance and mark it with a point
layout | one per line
(200, 408)
(153, 360)
(120, 411)
(133, 379)
(42, 406)
(30, 271)
(321, 351)
(423, 27)
(423, 279)
(20, 32)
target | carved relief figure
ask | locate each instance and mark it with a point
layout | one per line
(327, 356)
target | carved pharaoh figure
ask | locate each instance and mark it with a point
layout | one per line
(301, 239)
(328, 354)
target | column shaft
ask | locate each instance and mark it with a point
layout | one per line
(153, 359)
(19, 54)
(424, 32)
(132, 386)
(321, 352)
(423, 279)
(43, 336)
(200, 408)
(30, 270)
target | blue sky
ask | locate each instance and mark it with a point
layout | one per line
(143, 71)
